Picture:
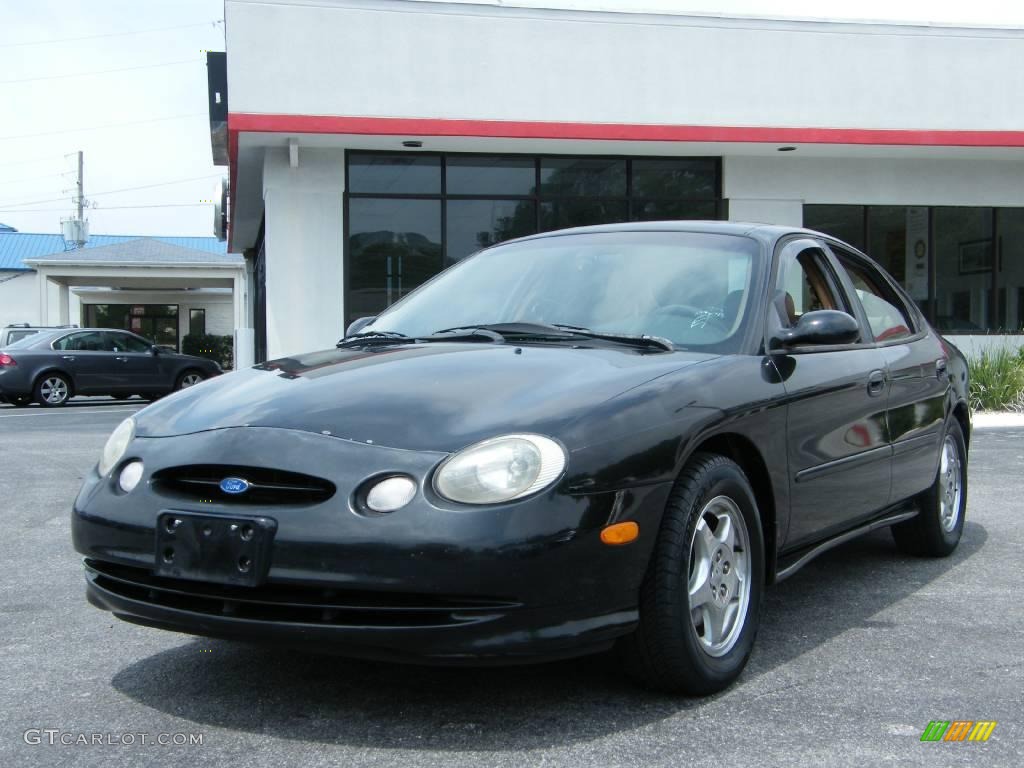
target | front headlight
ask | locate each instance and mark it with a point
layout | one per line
(116, 445)
(500, 469)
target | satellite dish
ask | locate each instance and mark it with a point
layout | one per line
(220, 209)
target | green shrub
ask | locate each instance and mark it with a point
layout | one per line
(210, 346)
(997, 381)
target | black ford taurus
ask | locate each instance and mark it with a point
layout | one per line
(609, 435)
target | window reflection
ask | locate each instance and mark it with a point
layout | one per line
(475, 224)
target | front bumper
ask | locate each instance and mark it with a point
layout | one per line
(433, 582)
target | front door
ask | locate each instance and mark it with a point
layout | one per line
(140, 368)
(838, 450)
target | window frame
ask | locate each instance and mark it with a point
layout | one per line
(773, 323)
(910, 311)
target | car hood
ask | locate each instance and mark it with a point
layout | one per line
(438, 397)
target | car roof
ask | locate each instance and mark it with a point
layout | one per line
(764, 232)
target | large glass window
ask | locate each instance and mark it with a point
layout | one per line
(158, 322)
(409, 215)
(394, 245)
(963, 266)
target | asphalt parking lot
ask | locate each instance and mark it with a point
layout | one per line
(857, 653)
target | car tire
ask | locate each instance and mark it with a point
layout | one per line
(700, 574)
(53, 390)
(189, 378)
(937, 529)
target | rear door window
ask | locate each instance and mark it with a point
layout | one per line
(888, 316)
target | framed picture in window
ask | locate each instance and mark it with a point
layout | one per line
(975, 256)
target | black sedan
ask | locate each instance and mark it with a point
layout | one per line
(615, 435)
(51, 367)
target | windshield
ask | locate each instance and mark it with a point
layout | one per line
(690, 288)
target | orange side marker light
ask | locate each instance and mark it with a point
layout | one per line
(620, 533)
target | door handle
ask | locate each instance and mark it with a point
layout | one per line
(940, 369)
(67, 357)
(876, 383)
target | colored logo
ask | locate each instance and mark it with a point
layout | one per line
(234, 485)
(958, 730)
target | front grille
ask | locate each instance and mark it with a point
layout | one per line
(201, 482)
(291, 604)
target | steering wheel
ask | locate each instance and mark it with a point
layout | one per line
(688, 310)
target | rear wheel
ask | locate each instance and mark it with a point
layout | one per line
(189, 379)
(52, 390)
(937, 529)
(700, 602)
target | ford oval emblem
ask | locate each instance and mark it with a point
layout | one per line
(234, 485)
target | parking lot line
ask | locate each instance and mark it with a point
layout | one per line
(69, 411)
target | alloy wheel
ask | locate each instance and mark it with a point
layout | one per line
(54, 390)
(190, 380)
(719, 576)
(950, 484)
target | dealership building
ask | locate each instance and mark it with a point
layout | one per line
(371, 143)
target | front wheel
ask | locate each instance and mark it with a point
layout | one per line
(700, 602)
(937, 529)
(52, 390)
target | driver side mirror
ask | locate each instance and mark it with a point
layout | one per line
(154, 350)
(819, 328)
(357, 325)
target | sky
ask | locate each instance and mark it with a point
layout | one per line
(146, 124)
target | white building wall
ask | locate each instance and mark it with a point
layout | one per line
(304, 242)
(362, 58)
(19, 300)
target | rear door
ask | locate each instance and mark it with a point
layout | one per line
(916, 364)
(838, 453)
(89, 357)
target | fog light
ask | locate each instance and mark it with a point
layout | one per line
(391, 494)
(130, 476)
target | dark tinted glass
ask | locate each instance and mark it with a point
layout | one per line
(394, 245)
(395, 174)
(197, 321)
(845, 222)
(559, 214)
(670, 210)
(1010, 222)
(490, 175)
(582, 177)
(674, 178)
(476, 224)
(964, 259)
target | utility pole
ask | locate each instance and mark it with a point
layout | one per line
(76, 230)
(81, 184)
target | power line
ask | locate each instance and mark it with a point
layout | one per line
(9, 206)
(102, 127)
(103, 208)
(212, 23)
(99, 72)
(30, 178)
(45, 158)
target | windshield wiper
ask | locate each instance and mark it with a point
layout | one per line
(643, 341)
(373, 337)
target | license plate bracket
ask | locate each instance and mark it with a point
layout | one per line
(215, 548)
